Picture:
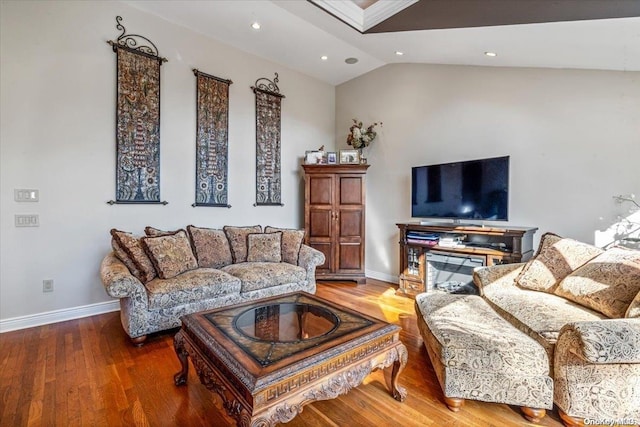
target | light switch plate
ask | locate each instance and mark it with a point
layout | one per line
(29, 220)
(26, 195)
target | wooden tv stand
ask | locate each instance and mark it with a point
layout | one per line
(487, 244)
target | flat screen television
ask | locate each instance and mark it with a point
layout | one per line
(468, 190)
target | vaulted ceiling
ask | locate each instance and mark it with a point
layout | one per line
(586, 34)
(408, 15)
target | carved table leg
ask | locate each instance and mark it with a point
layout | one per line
(398, 392)
(453, 403)
(532, 414)
(178, 344)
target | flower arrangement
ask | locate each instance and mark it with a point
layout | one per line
(359, 137)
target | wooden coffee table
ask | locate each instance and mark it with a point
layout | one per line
(269, 358)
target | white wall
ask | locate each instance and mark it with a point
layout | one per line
(573, 137)
(57, 135)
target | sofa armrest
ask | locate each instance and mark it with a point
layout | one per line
(309, 258)
(496, 276)
(608, 341)
(596, 367)
(117, 280)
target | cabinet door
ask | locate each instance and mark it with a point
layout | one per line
(349, 237)
(413, 266)
(320, 217)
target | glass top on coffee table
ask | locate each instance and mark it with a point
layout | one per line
(271, 330)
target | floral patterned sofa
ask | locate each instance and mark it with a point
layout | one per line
(582, 304)
(165, 275)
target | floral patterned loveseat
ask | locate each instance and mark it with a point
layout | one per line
(582, 304)
(165, 275)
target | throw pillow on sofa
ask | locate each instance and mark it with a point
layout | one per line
(264, 247)
(210, 246)
(291, 242)
(556, 258)
(238, 240)
(154, 232)
(608, 283)
(133, 248)
(634, 308)
(171, 254)
(126, 260)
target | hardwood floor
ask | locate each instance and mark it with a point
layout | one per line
(85, 372)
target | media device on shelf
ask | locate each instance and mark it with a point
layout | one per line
(474, 190)
(444, 255)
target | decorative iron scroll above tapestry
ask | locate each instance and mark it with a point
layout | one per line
(268, 134)
(137, 119)
(212, 140)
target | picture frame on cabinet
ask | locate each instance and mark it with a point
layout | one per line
(332, 158)
(314, 157)
(349, 157)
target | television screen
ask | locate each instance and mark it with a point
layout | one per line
(475, 189)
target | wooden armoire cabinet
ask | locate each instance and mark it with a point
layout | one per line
(334, 218)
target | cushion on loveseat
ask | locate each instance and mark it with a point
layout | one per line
(171, 254)
(132, 246)
(556, 258)
(191, 286)
(238, 240)
(260, 275)
(264, 247)
(155, 232)
(608, 283)
(126, 260)
(291, 242)
(210, 246)
(634, 308)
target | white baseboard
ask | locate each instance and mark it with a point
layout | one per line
(381, 276)
(55, 316)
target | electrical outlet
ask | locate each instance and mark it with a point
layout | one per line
(47, 285)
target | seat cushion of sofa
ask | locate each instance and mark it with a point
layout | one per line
(190, 286)
(260, 275)
(539, 314)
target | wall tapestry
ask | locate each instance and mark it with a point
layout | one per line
(212, 140)
(268, 119)
(137, 118)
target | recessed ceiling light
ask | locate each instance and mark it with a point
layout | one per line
(491, 54)
(351, 60)
(324, 57)
(399, 53)
(255, 25)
